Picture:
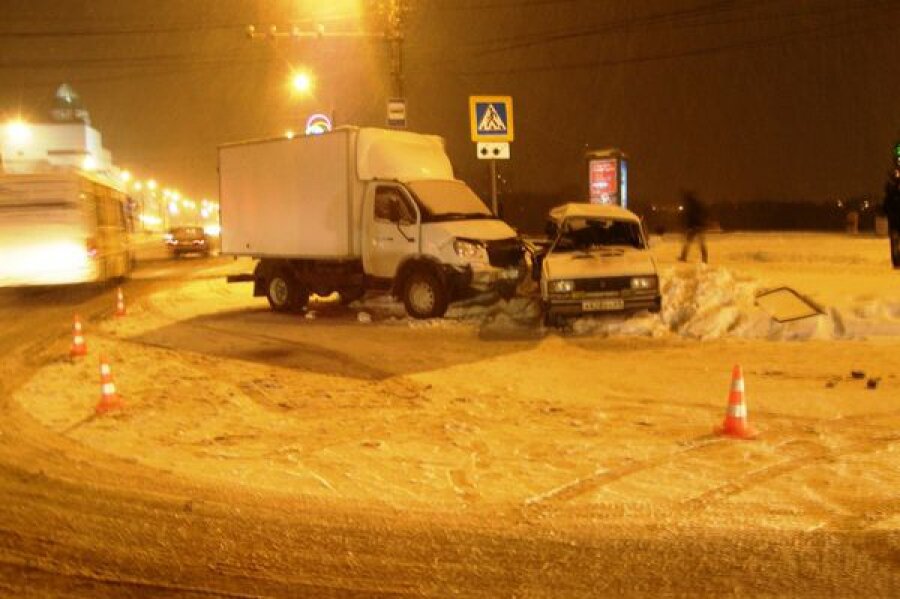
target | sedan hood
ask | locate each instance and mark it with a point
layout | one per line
(616, 262)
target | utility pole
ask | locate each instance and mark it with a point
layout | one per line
(395, 36)
(395, 12)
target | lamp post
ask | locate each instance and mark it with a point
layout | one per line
(302, 83)
(395, 12)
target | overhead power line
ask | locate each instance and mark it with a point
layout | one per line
(76, 33)
(842, 32)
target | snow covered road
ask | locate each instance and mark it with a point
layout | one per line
(553, 437)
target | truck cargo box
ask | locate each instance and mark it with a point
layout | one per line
(302, 197)
(289, 197)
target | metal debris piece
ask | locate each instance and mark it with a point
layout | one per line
(784, 304)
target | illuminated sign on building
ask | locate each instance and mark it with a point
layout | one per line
(317, 124)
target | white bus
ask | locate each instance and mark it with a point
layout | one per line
(62, 228)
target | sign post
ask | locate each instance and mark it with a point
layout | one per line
(491, 125)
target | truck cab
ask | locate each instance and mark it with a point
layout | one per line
(432, 241)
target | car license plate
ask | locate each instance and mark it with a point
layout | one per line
(510, 273)
(615, 303)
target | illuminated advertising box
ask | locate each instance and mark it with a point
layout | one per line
(604, 179)
(607, 177)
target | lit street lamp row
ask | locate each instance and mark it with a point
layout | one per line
(160, 207)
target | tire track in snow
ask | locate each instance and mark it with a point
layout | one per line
(602, 476)
(807, 453)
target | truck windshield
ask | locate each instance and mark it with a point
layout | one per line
(580, 234)
(448, 200)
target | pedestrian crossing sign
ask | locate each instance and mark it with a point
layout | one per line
(491, 118)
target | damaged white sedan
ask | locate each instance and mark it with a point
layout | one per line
(598, 260)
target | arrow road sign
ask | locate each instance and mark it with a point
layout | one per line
(493, 151)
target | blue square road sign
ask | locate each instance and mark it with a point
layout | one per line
(491, 118)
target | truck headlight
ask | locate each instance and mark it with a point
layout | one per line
(562, 286)
(470, 250)
(643, 282)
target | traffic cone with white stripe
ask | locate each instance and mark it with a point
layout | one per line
(120, 302)
(109, 399)
(79, 347)
(736, 423)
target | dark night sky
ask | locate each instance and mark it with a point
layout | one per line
(739, 99)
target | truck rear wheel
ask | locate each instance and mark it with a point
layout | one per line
(285, 294)
(425, 295)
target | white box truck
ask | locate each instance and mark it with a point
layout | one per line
(361, 209)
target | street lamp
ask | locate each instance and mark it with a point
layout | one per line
(18, 133)
(302, 82)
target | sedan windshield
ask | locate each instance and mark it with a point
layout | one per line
(579, 234)
(445, 200)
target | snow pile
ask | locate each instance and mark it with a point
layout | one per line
(871, 317)
(872, 309)
(710, 303)
(699, 302)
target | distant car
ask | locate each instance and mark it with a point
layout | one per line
(598, 260)
(187, 240)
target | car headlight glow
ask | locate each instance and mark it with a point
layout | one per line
(643, 282)
(562, 286)
(470, 250)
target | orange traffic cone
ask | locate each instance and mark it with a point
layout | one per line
(109, 399)
(736, 424)
(120, 302)
(79, 348)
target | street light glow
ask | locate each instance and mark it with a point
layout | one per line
(151, 184)
(18, 133)
(302, 82)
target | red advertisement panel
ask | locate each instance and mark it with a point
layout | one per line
(604, 179)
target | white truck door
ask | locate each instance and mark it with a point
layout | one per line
(391, 231)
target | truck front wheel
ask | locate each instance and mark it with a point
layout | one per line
(425, 295)
(285, 294)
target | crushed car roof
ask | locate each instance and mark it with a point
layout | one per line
(584, 210)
